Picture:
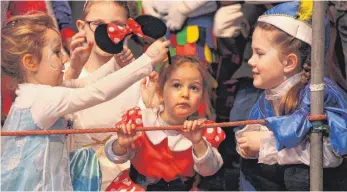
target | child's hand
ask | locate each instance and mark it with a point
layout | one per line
(127, 135)
(249, 143)
(158, 51)
(149, 90)
(79, 52)
(192, 130)
(125, 57)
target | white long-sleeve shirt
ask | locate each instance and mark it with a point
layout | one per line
(48, 103)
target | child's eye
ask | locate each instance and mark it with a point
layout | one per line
(260, 54)
(176, 85)
(58, 52)
(194, 88)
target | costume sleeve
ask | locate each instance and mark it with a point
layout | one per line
(103, 71)
(300, 154)
(52, 103)
(118, 159)
(249, 128)
(63, 14)
(291, 130)
(132, 116)
(211, 161)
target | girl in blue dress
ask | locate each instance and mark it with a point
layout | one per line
(30, 50)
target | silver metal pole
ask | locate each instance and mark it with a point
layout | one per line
(317, 69)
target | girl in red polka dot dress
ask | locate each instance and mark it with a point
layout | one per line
(168, 160)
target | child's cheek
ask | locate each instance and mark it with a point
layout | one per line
(197, 100)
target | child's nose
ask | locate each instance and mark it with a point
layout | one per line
(185, 92)
(65, 58)
(251, 61)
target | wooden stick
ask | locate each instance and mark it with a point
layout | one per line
(106, 130)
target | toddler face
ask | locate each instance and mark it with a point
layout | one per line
(183, 91)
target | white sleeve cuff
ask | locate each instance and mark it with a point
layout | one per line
(207, 154)
(248, 128)
(268, 153)
(209, 163)
(117, 158)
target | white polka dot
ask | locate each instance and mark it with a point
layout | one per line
(138, 121)
(219, 130)
(216, 138)
(111, 29)
(127, 182)
(116, 40)
(120, 27)
(137, 108)
(209, 130)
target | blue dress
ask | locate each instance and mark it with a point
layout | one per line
(34, 163)
(289, 131)
(42, 163)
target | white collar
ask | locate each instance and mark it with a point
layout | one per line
(176, 141)
(279, 91)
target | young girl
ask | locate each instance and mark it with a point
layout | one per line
(30, 50)
(105, 114)
(276, 156)
(168, 160)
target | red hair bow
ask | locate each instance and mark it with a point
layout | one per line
(117, 33)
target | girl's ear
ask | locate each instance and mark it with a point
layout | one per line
(80, 24)
(291, 63)
(29, 63)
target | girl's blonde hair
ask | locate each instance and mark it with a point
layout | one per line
(177, 61)
(287, 45)
(88, 4)
(22, 35)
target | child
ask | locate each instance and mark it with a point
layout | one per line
(105, 114)
(31, 54)
(167, 160)
(281, 65)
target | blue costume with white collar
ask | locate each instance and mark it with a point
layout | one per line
(292, 129)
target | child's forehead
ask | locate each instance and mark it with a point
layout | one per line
(94, 6)
(186, 70)
(52, 37)
(263, 38)
(105, 11)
